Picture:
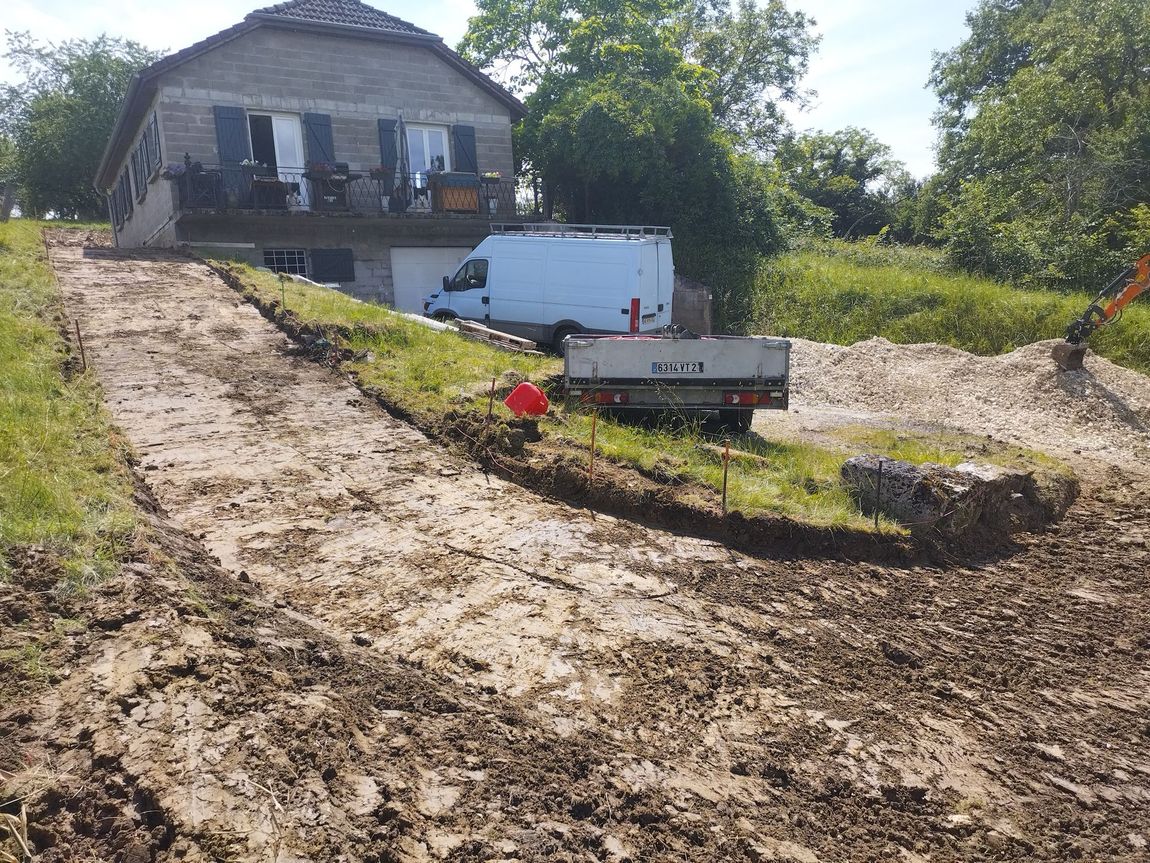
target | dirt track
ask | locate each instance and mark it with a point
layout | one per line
(431, 663)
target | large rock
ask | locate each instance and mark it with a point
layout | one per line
(953, 502)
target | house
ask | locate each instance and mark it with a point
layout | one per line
(320, 137)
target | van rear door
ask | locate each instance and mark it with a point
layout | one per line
(656, 308)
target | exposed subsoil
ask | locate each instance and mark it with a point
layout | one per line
(400, 657)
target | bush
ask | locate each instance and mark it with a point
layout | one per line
(843, 293)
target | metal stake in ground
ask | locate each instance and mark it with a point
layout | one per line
(491, 400)
(283, 294)
(591, 466)
(80, 342)
(726, 465)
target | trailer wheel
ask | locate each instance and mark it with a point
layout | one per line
(736, 421)
(560, 335)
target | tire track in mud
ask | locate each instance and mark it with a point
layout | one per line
(798, 710)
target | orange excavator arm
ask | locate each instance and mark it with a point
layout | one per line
(1106, 308)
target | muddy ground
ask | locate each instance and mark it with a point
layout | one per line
(339, 641)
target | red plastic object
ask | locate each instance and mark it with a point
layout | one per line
(527, 399)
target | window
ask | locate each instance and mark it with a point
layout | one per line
(293, 261)
(121, 200)
(146, 157)
(471, 275)
(333, 266)
(427, 146)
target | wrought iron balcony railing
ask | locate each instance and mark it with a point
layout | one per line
(255, 187)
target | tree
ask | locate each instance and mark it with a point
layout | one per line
(850, 173)
(758, 55)
(626, 125)
(1044, 140)
(60, 116)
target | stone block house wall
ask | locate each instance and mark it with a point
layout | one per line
(348, 67)
(354, 81)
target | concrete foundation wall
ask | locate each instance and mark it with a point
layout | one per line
(370, 240)
(356, 81)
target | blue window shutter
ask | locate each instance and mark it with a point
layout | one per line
(388, 157)
(232, 134)
(466, 159)
(317, 135)
(332, 265)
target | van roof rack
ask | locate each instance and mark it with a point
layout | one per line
(559, 229)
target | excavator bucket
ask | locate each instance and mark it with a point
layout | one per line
(1069, 356)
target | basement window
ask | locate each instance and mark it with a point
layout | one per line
(293, 261)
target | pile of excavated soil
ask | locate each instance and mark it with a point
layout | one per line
(1100, 412)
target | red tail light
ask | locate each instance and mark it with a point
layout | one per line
(605, 397)
(745, 399)
(634, 314)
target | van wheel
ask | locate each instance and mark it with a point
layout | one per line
(443, 317)
(560, 335)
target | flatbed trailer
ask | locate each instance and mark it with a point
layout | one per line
(733, 375)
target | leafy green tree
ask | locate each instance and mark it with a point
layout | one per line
(758, 55)
(850, 173)
(626, 124)
(1044, 140)
(60, 116)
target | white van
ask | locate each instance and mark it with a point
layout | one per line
(546, 282)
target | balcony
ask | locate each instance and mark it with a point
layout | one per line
(347, 191)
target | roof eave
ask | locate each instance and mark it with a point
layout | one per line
(342, 29)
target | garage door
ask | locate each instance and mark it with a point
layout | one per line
(419, 272)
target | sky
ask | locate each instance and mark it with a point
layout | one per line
(870, 70)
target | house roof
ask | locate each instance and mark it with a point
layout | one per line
(349, 17)
(347, 13)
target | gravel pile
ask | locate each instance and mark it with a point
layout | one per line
(1101, 411)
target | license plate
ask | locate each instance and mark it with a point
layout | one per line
(676, 368)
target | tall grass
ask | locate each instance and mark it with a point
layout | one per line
(62, 487)
(844, 293)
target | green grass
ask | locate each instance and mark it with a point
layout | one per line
(416, 368)
(796, 480)
(62, 486)
(429, 373)
(847, 292)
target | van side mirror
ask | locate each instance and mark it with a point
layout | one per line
(446, 283)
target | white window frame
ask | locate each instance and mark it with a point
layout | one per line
(287, 258)
(423, 129)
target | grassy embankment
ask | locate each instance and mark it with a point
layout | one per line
(846, 292)
(428, 373)
(63, 490)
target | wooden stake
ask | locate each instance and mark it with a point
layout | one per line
(591, 468)
(877, 493)
(491, 400)
(80, 341)
(726, 465)
(283, 294)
